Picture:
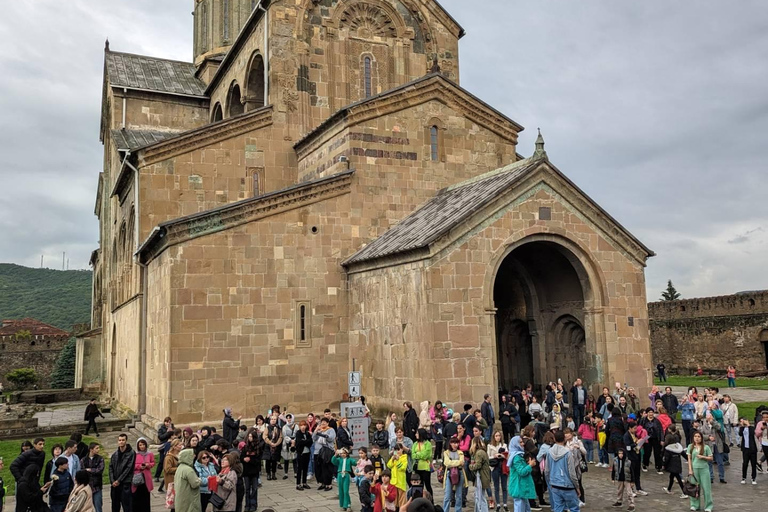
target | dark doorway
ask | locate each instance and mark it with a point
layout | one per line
(255, 84)
(763, 337)
(539, 298)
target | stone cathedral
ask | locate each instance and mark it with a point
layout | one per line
(316, 188)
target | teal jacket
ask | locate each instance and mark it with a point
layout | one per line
(520, 483)
(350, 466)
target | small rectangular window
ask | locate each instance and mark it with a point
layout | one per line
(545, 213)
(434, 141)
(302, 330)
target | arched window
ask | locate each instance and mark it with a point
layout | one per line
(218, 115)
(433, 142)
(254, 94)
(367, 77)
(235, 105)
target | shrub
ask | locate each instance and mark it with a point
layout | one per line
(21, 377)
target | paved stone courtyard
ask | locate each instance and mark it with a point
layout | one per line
(282, 496)
(72, 413)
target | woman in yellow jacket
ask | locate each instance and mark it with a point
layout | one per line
(454, 479)
(398, 465)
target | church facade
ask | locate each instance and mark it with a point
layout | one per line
(316, 188)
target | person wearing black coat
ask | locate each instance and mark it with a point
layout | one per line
(29, 494)
(748, 444)
(344, 436)
(410, 421)
(35, 456)
(91, 413)
(655, 431)
(510, 417)
(672, 460)
(120, 474)
(303, 454)
(231, 426)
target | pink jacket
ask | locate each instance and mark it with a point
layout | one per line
(149, 459)
(432, 414)
(586, 432)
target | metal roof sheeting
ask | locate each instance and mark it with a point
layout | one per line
(443, 212)
(153, 74)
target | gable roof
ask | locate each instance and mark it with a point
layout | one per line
(135, 139)
(35, 328)
(427, 87)
(441, 213)
(454, 204)
(144, 73)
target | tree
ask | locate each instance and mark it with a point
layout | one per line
(21, 377)
(63, 375)
(670, 293)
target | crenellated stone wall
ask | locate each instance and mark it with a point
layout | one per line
(713, 332)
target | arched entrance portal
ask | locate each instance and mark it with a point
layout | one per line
(543, 300)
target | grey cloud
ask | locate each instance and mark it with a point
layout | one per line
(656, 109)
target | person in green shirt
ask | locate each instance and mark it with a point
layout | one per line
(699, 458)
(421, 453)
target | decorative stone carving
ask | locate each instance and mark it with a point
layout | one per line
(367, 21)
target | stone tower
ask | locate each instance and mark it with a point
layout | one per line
(217, 23)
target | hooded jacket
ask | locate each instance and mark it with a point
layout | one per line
(121, 465)
(148, 459)
(620, 470)
(520, 484)
(560, 468)
(425, 421)
(186, 483)
(672, 454)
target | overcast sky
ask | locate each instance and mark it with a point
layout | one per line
(657, 109)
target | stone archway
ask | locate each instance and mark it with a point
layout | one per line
(547, 315)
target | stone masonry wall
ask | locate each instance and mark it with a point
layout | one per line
(460, 360)
(234, 298)
(713, 332)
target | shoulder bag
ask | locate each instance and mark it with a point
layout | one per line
(691, 487)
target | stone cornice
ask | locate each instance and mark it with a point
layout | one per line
(431, 87)
(232, 215)
(204, 136)
(439, 12)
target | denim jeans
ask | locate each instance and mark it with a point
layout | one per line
(578, 414)
(500, 482)
(488, 433)
(603, 455)
(311, 470)
(481, 503)
(731, 382)
(562, 500)
(719, 461)
(452, 494)
(97, 500)
(522, 505)
(589, 445)
(251, 492)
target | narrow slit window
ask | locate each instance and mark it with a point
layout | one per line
(303, 323)
(367, 71)
(434, 143)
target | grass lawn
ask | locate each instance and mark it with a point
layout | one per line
(9, 450)
(708, 382)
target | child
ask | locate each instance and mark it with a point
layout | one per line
(621, 473)
(62, 485)
(569, 423)
(521, 486)
(362, 463)
(602, 437)
(377, 461)
(417, 489)
(241, 434)
(344, 472)
(364, 489)
(381, 439)
(534, 408)
(384, 492)
(398, 465)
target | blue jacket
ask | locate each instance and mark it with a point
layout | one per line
(560, 470)
(687, 411)
(204, 472)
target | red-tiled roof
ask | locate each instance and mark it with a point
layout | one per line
(35, 328)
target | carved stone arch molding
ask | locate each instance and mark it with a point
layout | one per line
(369, 18)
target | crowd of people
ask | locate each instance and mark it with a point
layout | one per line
(532, 451)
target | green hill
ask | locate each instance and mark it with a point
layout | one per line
(57, 297)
